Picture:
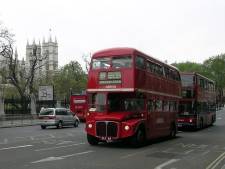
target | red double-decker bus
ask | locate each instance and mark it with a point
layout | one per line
(131, 96)
(78, 105)
(198, 104)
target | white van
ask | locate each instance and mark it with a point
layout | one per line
(58, 117)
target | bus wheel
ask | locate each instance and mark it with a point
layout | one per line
(201, 124)
(138, 139)
(212, 121)
(92, 140)
(173, 131)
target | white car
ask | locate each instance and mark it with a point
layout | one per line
(58, 117)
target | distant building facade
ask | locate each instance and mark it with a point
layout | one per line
(47, 50)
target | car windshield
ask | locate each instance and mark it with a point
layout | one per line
(47, 112)
(121, 62)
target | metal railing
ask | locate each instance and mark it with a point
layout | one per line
(16, 120)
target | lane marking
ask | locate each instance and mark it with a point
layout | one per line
(204, 153)
(166, 163)
(223, 167)
(48, 159)
(132, 154)
(216, 162)
(8, 148)
(52, 148)
(64, 142)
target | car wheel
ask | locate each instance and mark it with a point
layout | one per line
(76, 123)
(43, 127)
(92, 140)
(60, 125)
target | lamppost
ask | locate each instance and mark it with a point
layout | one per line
(1, 99)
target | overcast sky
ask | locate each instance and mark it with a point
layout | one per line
(172, 30)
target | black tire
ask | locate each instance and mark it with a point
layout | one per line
(201, 124)
(92, 140)
(173, 131)
(212, 120)
(139, 139)
(60, 125)
(43, 127)
(76, 123)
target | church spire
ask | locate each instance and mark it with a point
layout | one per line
(50, 36)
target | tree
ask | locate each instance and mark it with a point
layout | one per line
(87, 61)
(216, 67)
(19, 76)
(70, 78)
(190, 67)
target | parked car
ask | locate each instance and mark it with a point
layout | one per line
(58, 117)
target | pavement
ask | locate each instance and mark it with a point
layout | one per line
(18, 123)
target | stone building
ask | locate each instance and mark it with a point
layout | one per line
(48, 54)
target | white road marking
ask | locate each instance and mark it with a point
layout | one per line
(205, 152)
(166, 163)
(187, 152)
(48, 159)
(223, 167)
(8, 148)
(219, 118)
(52, 148)
(64, 142)
(51, 135)
(216, 162)
(132, 154)
(169, 150)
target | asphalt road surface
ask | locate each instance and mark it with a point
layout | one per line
(33, 148)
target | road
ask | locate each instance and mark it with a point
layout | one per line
(32, 148)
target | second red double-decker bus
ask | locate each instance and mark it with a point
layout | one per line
(131, 96)
(78, 105)
(198, 104)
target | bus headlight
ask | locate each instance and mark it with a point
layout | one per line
(90, 126)
(126, 127)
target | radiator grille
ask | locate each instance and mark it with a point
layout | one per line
(106, 129)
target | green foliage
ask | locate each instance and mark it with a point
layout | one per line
(190, 67)
(213, 68)
(216, 69)
(70, 78)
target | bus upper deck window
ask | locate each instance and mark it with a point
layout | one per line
(101, 63)
(121, 62)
